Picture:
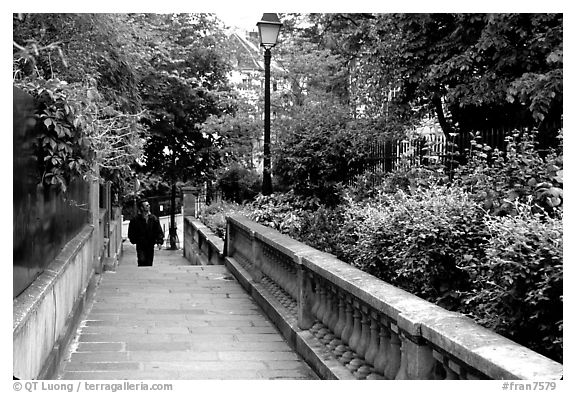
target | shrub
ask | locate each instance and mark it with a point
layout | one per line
(498, 179)
(239, 184)
(318, 149)
(519, 285)
(214, 216)
(280, 211)
(438, 243)
(425, 243)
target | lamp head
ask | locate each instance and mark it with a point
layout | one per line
(268, 29)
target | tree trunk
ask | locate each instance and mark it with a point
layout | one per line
(446, 128)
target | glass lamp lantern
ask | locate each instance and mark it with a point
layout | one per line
(268, 29)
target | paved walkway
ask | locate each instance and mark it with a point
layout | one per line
(177, 321)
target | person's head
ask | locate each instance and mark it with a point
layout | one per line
(144, 206)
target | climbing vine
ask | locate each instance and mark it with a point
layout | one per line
(75, 131)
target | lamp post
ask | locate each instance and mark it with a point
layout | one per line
(268, 29)
(172, 231)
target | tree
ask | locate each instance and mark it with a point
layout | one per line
(471, 70)
(85, 88)
(183, 84)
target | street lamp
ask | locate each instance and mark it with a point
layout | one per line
(268, 28)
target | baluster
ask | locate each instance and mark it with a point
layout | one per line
(293, 288)
(365, 369)
(327, 317)
(338, 321)
(402, 371)
(365, 331)
(316, 325)
(322, 310)
(382, 349)
(453, 370)
(347, 354)
(393, 358)
(342, 351)
(450, 375)
(287, 274)
(381, 358)
(374, 342)
(439, 368)
(280, 271)
(274, 268)
(356, 329)
(327, 305)
(354, 344)
(341, 316)
(332, 320)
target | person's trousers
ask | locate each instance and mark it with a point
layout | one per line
(145, 254)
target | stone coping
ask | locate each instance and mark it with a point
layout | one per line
(25, 303)
(451, 332)
(285, 244)
(214, 241)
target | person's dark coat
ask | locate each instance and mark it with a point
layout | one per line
(145, 233)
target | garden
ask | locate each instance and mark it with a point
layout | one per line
(487, 243)
(147, 102)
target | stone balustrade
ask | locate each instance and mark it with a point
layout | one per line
(374, 330)
(201, 246)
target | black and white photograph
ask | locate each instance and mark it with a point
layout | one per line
(225, 194)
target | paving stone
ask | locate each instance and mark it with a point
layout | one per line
(95, 357)
(157, 346)
(177, 321)
(102, 366)
(200, 365)
(172, 356)
(257, 355)
(100, 347)
(121, 375)
(242, 346)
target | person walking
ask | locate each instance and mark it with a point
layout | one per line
(145, 231)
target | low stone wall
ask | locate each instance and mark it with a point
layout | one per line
(46, 314)
(201, 246)
(47, 311)
(348, 324)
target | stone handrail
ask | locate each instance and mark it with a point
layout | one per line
(201, 246)
(373, 329)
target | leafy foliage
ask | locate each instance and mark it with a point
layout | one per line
(85, 93)
(71, 47)
(519, 285)
(238, 184)
(421, 241)
(318, 148)
(62, 149)
(470, 70)
(487, 244)
(182, 86)
(521, 173)
(76, 131)
(239, 133)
